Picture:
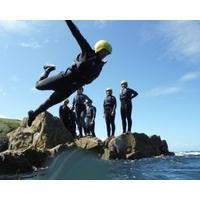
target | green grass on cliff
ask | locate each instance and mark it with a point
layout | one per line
(7, 125)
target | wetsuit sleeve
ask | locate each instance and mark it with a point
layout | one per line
(86, 97)
(115, 104)
(134, 93)
(84, 45)
(104, 105)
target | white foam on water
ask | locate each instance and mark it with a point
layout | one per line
(187, 153)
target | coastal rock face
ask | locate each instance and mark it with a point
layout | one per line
(12, 162)
(3, 144)
(46, 131)
(15, 162)
(32, 147)
(134, 146)
(90, 143)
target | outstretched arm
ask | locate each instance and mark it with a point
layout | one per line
(84, 45)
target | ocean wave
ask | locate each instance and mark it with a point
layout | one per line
(187, 153)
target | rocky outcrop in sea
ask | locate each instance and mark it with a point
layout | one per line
(34, 147)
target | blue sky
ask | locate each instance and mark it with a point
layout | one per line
(159, 59)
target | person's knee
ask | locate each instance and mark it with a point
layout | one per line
(37, 85)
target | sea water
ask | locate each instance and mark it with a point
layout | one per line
(78, 165)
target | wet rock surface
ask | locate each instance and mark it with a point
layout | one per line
(29, 148)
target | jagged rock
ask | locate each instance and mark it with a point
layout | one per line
(34, 146)
(13, 163)
(90, 143)
(164, 149)
(134, 146)
(3, 144)
(61, 147)
(46, 131)
(36, 158)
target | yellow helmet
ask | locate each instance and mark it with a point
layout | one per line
(108, 89)
(102, 44)
(124, 82)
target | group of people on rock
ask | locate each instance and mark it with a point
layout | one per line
(82, 113)
(85, 69)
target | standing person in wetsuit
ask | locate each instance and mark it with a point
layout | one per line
(79, 107)
(90, 118)
(109, 106)
(126, 96)
(67, 116)
(86, 68)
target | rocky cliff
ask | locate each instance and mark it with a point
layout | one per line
(32, 147)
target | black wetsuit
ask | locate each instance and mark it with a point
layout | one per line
(109, 105)
(86, 68)
(126, 107)
(80, 110)
(90, 120)
(67, 116)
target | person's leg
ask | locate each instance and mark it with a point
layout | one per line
(123, 118)
(129, 111)
(46, 72)
(87, 126)
(82, 121)
(55, 98)
(51, 83)
(113, 124)
(107, 119)
(93, 129)
(73, 121)
(78, 122)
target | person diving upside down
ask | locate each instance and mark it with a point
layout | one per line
(86, 68)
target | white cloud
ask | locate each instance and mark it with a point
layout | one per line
(3, 116)
(101, 23)
(190, 76)
(33, 45)
(182, 38)
(16, 26)
(160, 91)
(2, 92)
(177, 87)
